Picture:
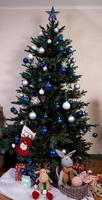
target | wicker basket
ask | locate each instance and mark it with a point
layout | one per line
(76, 192)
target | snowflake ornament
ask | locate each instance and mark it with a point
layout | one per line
(35, 100)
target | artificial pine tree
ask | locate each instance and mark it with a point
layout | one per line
(51, 113)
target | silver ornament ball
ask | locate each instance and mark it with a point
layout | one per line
(56, 30)
(66, 105)
(22, 122)
(13, 145)
(32, 115)
(49, 41)
(44, 68)
(41, 50)
(64, 151)
(24, 82)
(41, 91)
(71, 118)
(30, 56)
(77, 86)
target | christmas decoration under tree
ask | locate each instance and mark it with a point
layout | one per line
(51, 114)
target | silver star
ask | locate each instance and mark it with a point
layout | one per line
(52, 14)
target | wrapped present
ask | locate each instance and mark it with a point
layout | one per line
(26, 181)
(19, 170)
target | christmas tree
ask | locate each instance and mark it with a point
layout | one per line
(51, 112)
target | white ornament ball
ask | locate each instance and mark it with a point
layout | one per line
(30, 56)
(32, 115)
(22, 122)
(56, 30)
(66, 105)
(64, 151)
(77, 181)
(77, 86)
(41, 50)
(71, 118)
(40, 33)
(24, 82)
(13, 145)
(86, 112)
(21, 94)
(44, 68)
(41, 91)
(34, 47)
(49, 41)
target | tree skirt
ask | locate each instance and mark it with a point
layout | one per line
(15, 191)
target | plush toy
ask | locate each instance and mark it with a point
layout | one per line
(25, 142)
(67, 172)
(44, 185)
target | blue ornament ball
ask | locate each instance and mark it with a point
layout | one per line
(29, 161)
(60, 38)
(94, 134)
(25, 60)
(13, 110)
(52, 153)
(63, 70)
(22, 170)
(41, 65)
(80, 113)
(69, 50)
(24, 100)
(48, 86)
(61, 49)
(59, 121)
(43, 130)
(85, 129)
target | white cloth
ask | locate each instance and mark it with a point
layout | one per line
(16, 191)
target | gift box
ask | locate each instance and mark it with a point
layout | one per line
(20, 169)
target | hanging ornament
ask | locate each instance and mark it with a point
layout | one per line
(57, 106)
(24, 100)
(14, 110)
(34, 47)
(73, 60)
(25, 60)
(85, 112)
(49, 41)
(41, 91)
(35, 100)
(45, 116)
(48, 86)
(56, 30)
(27, 136)
(59, 121)
(44, 68)
(21, 94)
(66, 105)
(13, 145)
(29, 161)
(52, 153)
(71, 118)
(69, 50)
(94, 134)
(41, 64)
(63, 70)
(80, 113)
(77, 86)
(16, 139)
(85, 129)
(22, 122)
(61, 49)
(43, 130)
(60, 38)
(64, 151)
(30, 56)
(41, 50)
(24, 82)
(32, 115)
(52, 14)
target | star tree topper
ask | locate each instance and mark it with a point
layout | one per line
(52, 14)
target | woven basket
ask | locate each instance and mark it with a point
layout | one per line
(76, 192)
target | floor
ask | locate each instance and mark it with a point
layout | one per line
(94, 164)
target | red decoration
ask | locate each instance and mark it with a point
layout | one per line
(79, 167)
(23, 147)
(18, 174)
(35, 194)
(49, 195)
